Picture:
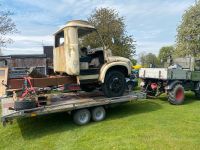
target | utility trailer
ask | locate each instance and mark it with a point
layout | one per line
(82, 106)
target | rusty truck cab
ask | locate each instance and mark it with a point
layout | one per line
(69, 57)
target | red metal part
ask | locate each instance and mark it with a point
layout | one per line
(179, 94)
(42, 82)
(73, 87)
(28, 90)
(154, 86)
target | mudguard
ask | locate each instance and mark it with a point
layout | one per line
(107, 66)
(172, 84)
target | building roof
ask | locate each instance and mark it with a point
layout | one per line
(24, 56)
(77, 23)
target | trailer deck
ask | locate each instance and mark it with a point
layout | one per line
(65, 102)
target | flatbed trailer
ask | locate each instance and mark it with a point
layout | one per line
(82, 105)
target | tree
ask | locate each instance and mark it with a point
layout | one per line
(7, 26)
(133, 61)
(188, 38)
(112, 30)
(148, 60)
(164, 53)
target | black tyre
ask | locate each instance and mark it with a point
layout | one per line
(82, 116)
(87, 88)
(114, 84)
(24, 104)
(176, 95)
(98, 114)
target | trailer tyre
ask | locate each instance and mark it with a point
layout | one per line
(176, 95)
(114, 84)
(98, 114)
(82, 116)
(24, 104)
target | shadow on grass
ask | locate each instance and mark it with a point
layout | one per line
(189, 98)
(32, 128)
(132, 109)
(40, 126)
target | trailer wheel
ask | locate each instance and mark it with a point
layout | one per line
(114, 84)
(82, 116)
(176, 95)
(98, 113)
(24, 104)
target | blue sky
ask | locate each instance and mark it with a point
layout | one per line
(152, 23)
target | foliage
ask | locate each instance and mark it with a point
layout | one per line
(112, 30)
(134, 61)
(149, 60)
(188, 38)
(7, 26)
(164, 53)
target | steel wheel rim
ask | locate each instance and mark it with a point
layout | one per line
(116, 85)
(179, 94)
(99, 115)
(83, 117)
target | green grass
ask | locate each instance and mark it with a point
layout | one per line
(148, 124)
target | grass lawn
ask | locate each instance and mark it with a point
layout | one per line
(148, 124)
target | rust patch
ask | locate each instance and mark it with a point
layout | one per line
(42, 82)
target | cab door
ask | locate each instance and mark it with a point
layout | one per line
(3, 79)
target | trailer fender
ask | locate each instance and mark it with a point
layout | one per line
(172, 84)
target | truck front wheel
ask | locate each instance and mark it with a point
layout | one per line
(176, 95)
(114, 84)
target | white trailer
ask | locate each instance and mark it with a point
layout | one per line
(164, 73)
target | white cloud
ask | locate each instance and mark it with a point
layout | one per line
(29, 38)
(37, 26)
(151, 47)
(24, 44)
(21, 50)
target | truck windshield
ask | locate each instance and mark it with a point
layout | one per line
(91, 39)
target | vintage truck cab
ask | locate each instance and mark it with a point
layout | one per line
(92, 66)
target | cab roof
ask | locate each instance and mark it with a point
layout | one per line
(77, 23)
